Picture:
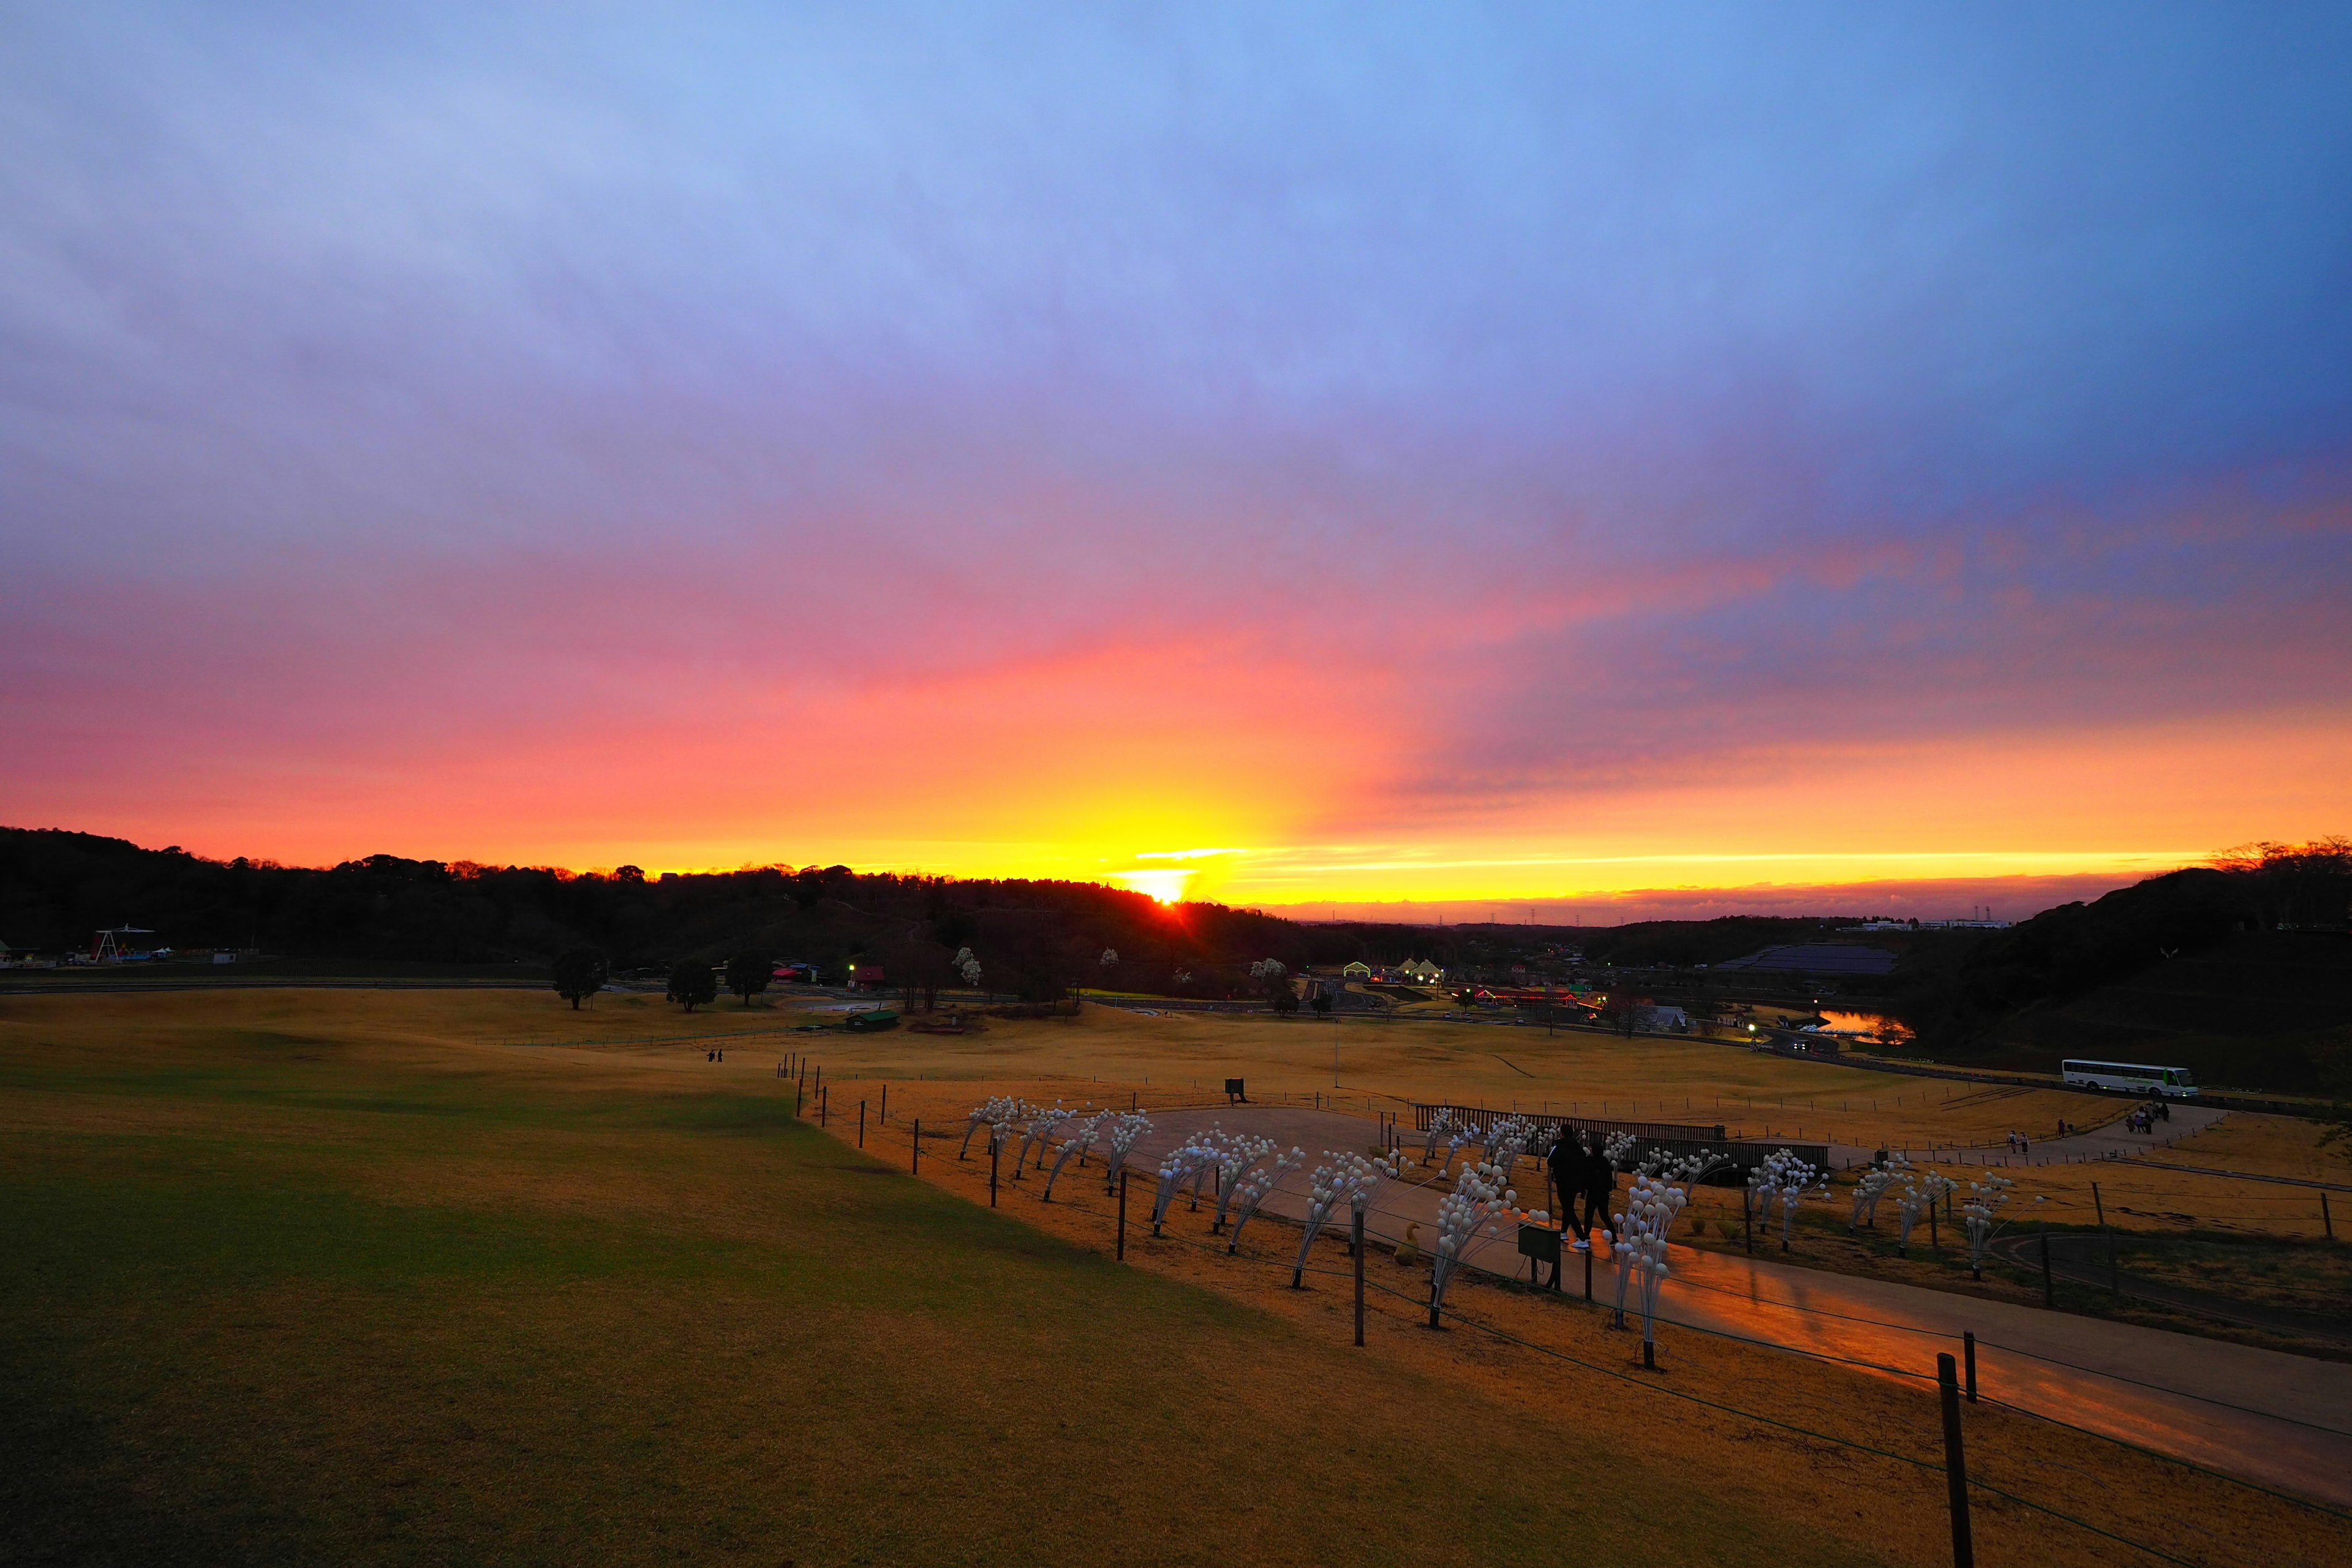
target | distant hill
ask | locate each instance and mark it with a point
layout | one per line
(1682, 943)
(2242, 973)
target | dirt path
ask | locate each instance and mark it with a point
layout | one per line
(2282, 1420)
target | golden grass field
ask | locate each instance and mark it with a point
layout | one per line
(353, 1276)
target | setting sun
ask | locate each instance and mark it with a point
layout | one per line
(1164, 883)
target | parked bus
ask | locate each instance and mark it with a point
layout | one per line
(2135, 1078)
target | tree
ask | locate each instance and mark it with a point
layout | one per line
(579, 973)
(692, 983)
(748, 974)
(1322, 1003)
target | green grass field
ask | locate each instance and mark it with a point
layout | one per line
(283, 1290)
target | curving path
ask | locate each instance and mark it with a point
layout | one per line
(2283, 1420)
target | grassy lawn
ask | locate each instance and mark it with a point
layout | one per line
(290, 1284)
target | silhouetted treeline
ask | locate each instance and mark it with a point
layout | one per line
(1031, 938)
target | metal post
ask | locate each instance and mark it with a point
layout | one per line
(2049, 1291)
(823, 1105)
(2326, 1218)
(884, 1117)
(798, 1089)
(1968, 1347)
(1956, 1466)
(861, 1124)
(916, 1165)
(992, 1167)
(2115, 1277)
(1122, 1217)
(1360, 1279)
(1747, 1218)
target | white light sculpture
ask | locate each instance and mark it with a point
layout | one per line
(1237, 1155)
(1038, 1122)
(1351, 1179)
(996, 1111)
(1182, 1163)
(1922, 1190)
(1125, 1129)
(1440, 1122)
(1254, 1189)
(1639, 1247)
(1478, 1194)
(1081, 1138)
(1981, 1213)
(1872, 1185)
(1785, 1176)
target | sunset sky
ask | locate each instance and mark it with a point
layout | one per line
(1568, 460)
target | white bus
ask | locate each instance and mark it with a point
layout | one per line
(2137, 1078)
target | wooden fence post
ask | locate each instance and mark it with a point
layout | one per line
(1969, 1344)
(915, 1164)
(1122, 1217)
(1360, 1277)
(992, 1167)
(1956, 1466)
(861, 1124)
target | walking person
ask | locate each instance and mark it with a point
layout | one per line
(1599, 1186)
(1568, 1162)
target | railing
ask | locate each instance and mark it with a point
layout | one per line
(1675, 1139)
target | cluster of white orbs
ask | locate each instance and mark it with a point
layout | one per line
(1481, 1191)
(1639, 1246)
(1266, 969)
(1981, 1213)
(1506, 1137)
(1188, 1161)
(1781, 1178)
(1038, 1122)
(1618, 1148)
(1126, 1128)
(998, 1111)
(1081, 1138)
(1922, 1190)
(966, 965)
(1874, 1184)
(1238, 1153)
(1347, 1178)
(1440, 1122)
(1251, 1190)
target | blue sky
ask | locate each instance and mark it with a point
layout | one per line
(523, 432)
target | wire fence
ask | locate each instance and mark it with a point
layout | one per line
(1091, 1201)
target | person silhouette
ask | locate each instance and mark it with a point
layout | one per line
(1570, 1176)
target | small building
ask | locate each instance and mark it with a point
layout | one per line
(1423, 972)
(1359, 970)
(865, 974)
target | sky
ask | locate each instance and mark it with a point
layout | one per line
(1415, 459)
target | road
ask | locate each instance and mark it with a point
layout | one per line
(2282, 1420)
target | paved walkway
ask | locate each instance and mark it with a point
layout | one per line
(2290, 1425)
